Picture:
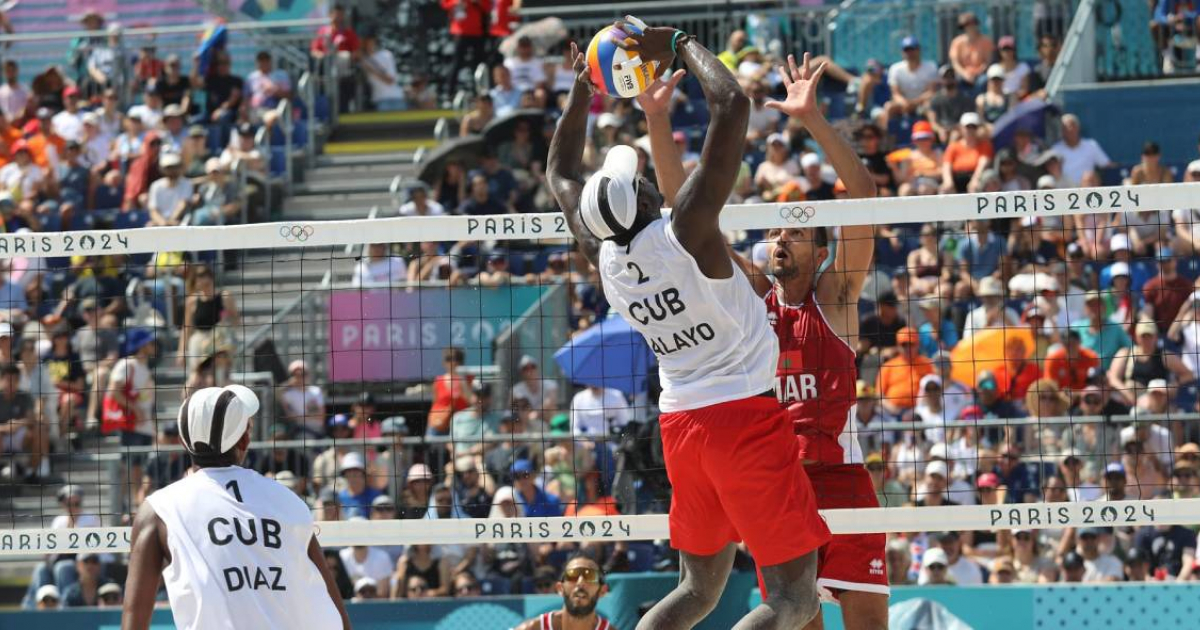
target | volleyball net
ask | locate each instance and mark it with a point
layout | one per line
(1026, 360)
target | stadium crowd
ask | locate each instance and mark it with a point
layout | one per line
(1084, 315)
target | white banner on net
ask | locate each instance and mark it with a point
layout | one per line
(32, 542)
(881, 211)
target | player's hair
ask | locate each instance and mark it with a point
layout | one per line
(580, 555)
(453, 354)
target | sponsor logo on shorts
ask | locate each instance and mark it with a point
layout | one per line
(797, 214)
(876, 567)
(296, 233)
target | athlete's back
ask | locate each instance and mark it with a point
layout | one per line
(710, 335)
(238, 545)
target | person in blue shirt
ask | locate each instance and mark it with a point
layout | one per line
(979, 253)
(537, 502)
(356, 498)
(1097, 333)
(938, 332)
(1022, 484)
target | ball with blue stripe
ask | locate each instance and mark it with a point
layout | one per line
(614, 71)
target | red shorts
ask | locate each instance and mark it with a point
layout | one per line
(848, 562)
(736, 475)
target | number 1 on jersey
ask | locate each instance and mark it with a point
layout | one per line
(232, 486)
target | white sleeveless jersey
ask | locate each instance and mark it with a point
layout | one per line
(711, 337)
(239, 554)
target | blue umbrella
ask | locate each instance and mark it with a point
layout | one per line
(1028, 114)
(610, 354)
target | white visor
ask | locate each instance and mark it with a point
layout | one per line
(609, 200)
(216, 417)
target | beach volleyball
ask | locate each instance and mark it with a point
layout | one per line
(618, 72)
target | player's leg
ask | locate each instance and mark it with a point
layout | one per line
(793, 600)
(701, 582)
(863, 611)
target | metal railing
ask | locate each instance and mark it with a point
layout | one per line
(1076, 60)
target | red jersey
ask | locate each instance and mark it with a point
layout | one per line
(502, 20)
(548, 622)
(815, 380)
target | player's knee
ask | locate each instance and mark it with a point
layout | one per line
(798, 604)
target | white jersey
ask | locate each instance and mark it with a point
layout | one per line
(239, 553)
(711, 337)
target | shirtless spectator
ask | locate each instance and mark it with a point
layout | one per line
(971, 52)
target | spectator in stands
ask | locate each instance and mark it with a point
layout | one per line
(379, 268)
(778, 170)
(267, 85)
(971, 52)
(469, 426)
(1018, 373)
(505, 96)
(992, 313)
(325, 465)
(899, 377)
(420, 94)
(418, 488)
(467, 28)
(242, 149)
(528, 70)
(379, 66)
(540, 393)
(920, 172)
(1098, 334)
(468, 489)
(1079, 155)
(993, 103)
(1048, 49)
(143, 170)
(302, 404)
(356, 497)
(14, 97)
(195, 152)
(420, 574)
(420, 205)
(174, 86)
(22, 178)
(535, 501)
(966, 158)
(913, 82)
(68, 123)
(599, 411)
(150, 111)
(1150, 170)
(164, 466)
(365, 589)
(934, 565)
(733, 48)
(170, 197)
(948, 105)
(1069, 363)
(481, 201)
(60, 570)
(48, 597)
(1099, 566)
(218, 201)
(1016, 72)
(764, 121)
(1137, 565)
(870, 149)
(128, 145)
(129, 401)
(451, 392)
(21, 432)
(223, 93)
(173, 131)
(85, 592)
(478, 118)
(1072, 567)
(816, 188)
(1133, 368)
(963, 570)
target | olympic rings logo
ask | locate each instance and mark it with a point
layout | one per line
(797, 214)
(296, 233)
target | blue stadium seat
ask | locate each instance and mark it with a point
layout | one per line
(641, 556)
(132, 219)
(495, 586)
(216, 140)
(278, 162)
(299, 134)
(321, 108)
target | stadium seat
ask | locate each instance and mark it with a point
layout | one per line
(278, 165)
(641, 556)
(496, 586)
(321, 108)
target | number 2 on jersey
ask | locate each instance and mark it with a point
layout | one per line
(232, 486)
(642, 277)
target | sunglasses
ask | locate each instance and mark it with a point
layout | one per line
(464, 588)
(937, 567)
(1024, 537)
(416, 589)
(588, 574)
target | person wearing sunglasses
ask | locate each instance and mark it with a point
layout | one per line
(581, 586)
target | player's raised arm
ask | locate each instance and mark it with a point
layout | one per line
(697, 209)
(668, 164)
(564, 165)
(855, 244)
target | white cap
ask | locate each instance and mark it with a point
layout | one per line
(364, 582)
(351, 461)
(935, 555)
(994, 71)
(810, 160)
(1031, 220)
(216, 414)
(936, 467)
(930, 378)
(970, 118)
(1119, 242)
(1047, 181)
(169, 159)
(939, 450)
(607, 119)
(1119, 269)
(990, 287)
(1193, 167)
(47, 590)
(6, 329)
(608, 204)
(1157, 384)
(776, 137)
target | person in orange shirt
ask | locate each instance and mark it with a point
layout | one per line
(44, 146)
(966, 158)
(1069, 364)
(900, 376)
(451, 393)
(1018, 371)
(971, 52)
